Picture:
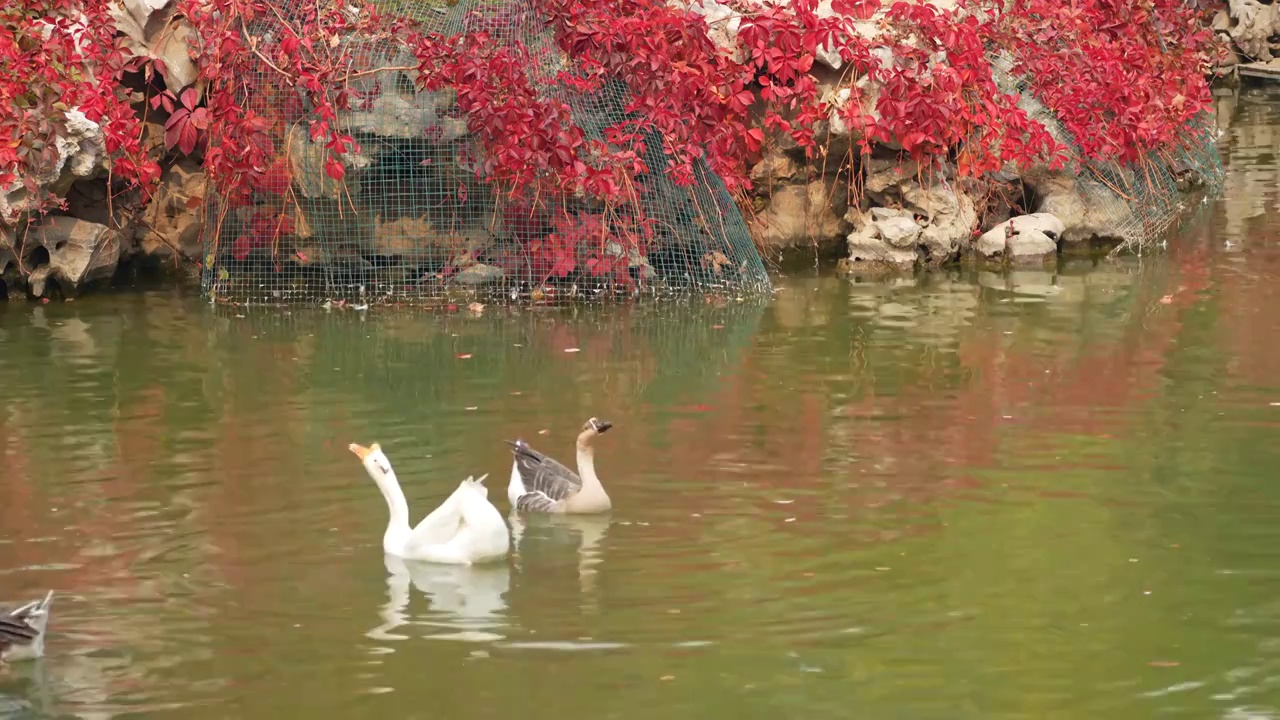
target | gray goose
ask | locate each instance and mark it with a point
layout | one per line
(541, 484)
(22, 630)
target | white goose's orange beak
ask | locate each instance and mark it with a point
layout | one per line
(361, 451)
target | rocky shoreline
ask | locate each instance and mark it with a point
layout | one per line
(886, 216)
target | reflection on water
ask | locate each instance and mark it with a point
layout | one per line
(466, 601)
(1038, 494)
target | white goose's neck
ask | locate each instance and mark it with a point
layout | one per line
(398, 509)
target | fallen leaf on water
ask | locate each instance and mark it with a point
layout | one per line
(474, 407)
(667, 677)
(464, 356)
(571, 349)
(516, 392)
(476, 307)
(543, 432)
(717, 327)
(1164, 663)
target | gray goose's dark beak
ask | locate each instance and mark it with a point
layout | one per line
(601, 426)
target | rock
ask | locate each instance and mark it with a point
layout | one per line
(478, 274)
(151, 32)
(896, 227)
(1024, 237)
(8, 258)
(82, 150)
(88, 200)
(949, 218)
(140, 19)
(80, 252)
(393, 116)
(885, 174)
(870, 253)
(1221, 21)
(1088, 210)
(153, 140)
(402, 236)
(1255, 23)
(307, 160)
(774, 169)
(38, 281)
(634, 259)
(170, 226)
(173, 47)
(802, 215)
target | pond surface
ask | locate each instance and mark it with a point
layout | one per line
(1044, 495)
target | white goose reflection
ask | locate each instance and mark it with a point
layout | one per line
(590, 530)
(466, 601)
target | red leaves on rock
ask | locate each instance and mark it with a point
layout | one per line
(60, 59)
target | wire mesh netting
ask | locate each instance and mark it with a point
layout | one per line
(1136, 202)
(415, 219)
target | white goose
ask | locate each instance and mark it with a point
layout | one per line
(22, 631)
(540, 484)
(464, 530)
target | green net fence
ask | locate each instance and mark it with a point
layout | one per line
(416, 221)
(1136, 202)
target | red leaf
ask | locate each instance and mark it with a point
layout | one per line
(334, 169)
(190, 97)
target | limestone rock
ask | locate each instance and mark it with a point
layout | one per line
(80, 252)
(1255, 24)
(887, 174)
(1088, 210)
(1024, 237)
(869, 252)
(478, 274)
(406, 237)
(774, 169)
(38, 281)
(8, 258)
(949, 218)
(634, 259)
(393, 116)
(170, 226)
(307, 160)
(801, 215)
(151, 32)
(896, 227)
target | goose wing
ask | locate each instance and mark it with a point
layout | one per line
(14, 629)
(546, 481)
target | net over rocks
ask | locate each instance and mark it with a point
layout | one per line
(406, 192)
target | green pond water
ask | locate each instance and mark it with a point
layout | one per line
(1037, 495)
